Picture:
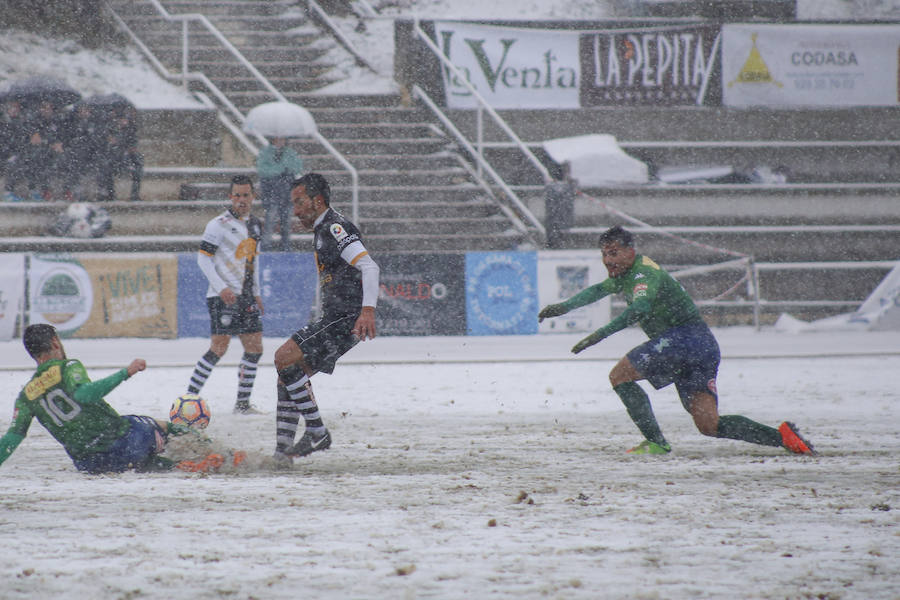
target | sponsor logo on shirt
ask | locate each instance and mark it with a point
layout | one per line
(639, 276)
(338, 232)
(40, 384)
(640, 290)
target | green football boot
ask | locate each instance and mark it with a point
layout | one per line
(648, 447)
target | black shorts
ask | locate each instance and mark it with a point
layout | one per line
(326, 340)
(240, 317)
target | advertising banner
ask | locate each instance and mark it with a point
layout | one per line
(60, 292)
(288, 291)
(561, 275)
(810, 65)
(134, 295)
(510, 67)
(501, 293)
(657, 66)
(422, 294)
(12, 292)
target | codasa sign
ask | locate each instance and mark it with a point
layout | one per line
(510, 68)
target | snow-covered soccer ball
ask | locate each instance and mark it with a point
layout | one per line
(80, 215)
(190, 410)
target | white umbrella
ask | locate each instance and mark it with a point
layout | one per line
(280, 119)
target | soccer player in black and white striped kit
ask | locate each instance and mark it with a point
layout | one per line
(229, 258)
(348, 282)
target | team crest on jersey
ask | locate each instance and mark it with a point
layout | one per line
(338, 232)
(640, 290)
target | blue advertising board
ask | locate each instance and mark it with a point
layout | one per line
(288, 282)
(501, 293)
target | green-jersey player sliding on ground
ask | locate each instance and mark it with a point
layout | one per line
(681, 350)
(61, 396)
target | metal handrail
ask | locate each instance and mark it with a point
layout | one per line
(186, 76)
(482, 104)
(320, 14)
(420, 93)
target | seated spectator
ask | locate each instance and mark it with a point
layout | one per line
(12, 128)
(118, 153)
(85, 131)
(277, 166)
(36, 162)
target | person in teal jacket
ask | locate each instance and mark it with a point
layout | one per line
(277, 165)
(681, 350)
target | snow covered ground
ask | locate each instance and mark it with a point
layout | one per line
(479, 468)
(468, 467)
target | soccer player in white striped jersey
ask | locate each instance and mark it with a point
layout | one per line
(348, 282)
(229, 258)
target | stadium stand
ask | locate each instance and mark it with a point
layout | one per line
(820, 241)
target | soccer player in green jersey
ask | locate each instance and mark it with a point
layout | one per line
(681, 350)
(61, 396)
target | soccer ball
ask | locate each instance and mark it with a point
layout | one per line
(190, 410)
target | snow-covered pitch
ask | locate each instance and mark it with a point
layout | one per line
(478, 468)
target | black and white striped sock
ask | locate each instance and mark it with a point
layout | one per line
(295, 399)
(202, 370)
(246, 377)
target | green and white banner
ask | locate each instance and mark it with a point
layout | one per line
(12, 292)
(510, 67)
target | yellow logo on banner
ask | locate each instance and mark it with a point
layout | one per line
(755, 69)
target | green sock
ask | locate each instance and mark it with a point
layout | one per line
(638, 406)
(736, 427)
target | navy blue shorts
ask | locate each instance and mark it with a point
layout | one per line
(687, 356)
(326, 340)
(240, 317)
(131, 451)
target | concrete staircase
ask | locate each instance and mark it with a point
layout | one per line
(416, 192)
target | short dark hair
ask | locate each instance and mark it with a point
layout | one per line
(240, 180)
(315, 185)
(617, 235)
(38, 338)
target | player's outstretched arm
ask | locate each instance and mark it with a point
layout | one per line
(97, 390)
(594, 338)
(552, 310)
(582, 298)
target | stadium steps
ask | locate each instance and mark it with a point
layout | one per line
(275, 32)
(411, 179)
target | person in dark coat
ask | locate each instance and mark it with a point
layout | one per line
(85, 133)
(38, 159)
(119, 153)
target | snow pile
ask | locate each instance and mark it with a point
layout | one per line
(91, 72)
